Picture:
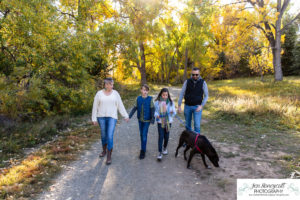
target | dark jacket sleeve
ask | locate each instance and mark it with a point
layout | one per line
(132, 112)
(152, 115)
(133, 109)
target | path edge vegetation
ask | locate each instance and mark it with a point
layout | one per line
(28, 176)
(25, 175)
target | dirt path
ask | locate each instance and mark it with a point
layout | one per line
(130, 178)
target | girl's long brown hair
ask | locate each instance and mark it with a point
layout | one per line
(160, 93)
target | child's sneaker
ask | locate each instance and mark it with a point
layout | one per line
(159, 157)
(165, 151)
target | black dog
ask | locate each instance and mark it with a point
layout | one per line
(198, 144)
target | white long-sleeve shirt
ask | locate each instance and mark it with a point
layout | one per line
(108, 106)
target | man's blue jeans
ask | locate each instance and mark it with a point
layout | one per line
(107, 126)
(163, 137)
(189, 112)
(144, 126)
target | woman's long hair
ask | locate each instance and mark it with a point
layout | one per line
(160, 93)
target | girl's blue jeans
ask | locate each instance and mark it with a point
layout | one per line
(143, 126)
(107, 126)
(189, 112)
(163, 137)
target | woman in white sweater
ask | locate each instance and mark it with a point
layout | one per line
(107, 103)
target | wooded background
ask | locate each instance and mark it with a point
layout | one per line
(54, 52)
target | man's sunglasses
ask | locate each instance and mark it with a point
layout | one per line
(195, 74)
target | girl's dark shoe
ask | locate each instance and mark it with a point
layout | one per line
(142, 154)
(108, 159)
(104, 151)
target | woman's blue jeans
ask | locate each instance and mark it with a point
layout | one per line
(107, 126)
(163, 137)
(143, 126)
(189, 112)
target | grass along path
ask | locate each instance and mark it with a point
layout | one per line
(260, 117)
(27, 178)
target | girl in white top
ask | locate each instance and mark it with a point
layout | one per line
(107, 103)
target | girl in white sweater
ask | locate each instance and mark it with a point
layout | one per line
(107, 103)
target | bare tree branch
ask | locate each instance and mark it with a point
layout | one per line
(284, 6)
(69, 14)
(233, 3)
(292, 21)
(269, 36)
(273, 26)
(4, 48)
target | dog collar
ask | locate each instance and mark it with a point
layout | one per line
(196, 144)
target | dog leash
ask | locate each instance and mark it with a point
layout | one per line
(180, 120)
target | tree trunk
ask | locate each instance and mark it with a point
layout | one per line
(162, 70)
(168, 70)
(277, 52)
(275, 44)
(194, 55)
(143, 76)
(142, 69)
(171, 66)
(260, 70)
(261, 75)
(177, 65)
(185, 63)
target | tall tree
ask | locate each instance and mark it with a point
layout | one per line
(140, 17)
(233, 41)
(271, 30)
(49, 65)
(196, 20)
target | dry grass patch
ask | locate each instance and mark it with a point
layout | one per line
(27, 178)
(251, 101)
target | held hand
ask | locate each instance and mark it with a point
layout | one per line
(127, 119)
(179, 109)
(199, 108)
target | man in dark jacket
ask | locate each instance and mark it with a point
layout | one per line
(195, 93)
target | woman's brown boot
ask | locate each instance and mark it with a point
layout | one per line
(108, 159)
(104, 151)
